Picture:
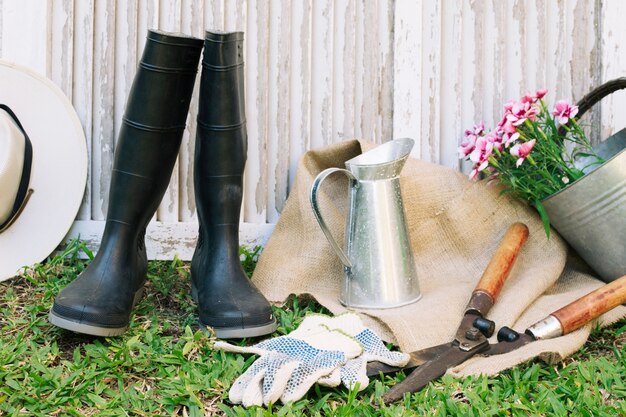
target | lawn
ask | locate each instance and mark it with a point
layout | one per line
(165, 366)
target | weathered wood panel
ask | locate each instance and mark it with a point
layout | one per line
(103, 117)
(321, 71)
(82, 86)
(612, 52)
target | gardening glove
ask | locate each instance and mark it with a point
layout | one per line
(355, 370)
(289, 365)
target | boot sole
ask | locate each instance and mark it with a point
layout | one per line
(236, 332)
(241, 332)
(92, 329)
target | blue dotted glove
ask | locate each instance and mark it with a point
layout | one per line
(355, 370)
(289, 365)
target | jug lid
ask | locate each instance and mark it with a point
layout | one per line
(383, 162)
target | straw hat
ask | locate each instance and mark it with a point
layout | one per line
(43, 167)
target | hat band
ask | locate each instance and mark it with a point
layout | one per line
(23, 192)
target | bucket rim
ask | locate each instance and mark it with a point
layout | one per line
(562, 191)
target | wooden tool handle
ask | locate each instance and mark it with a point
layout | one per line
(592, 305)
(498, 270)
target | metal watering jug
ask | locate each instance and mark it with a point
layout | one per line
(379, 270)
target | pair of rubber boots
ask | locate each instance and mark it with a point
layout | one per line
(99, 302)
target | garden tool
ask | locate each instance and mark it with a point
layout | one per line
(100, 300)
(561, 322)
(227, 300)
(289, 365)
(475, 327)
(379, 268)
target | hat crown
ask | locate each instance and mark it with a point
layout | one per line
(12, 148)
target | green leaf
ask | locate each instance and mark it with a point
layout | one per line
(96, 399)
(187, 348)
(544, 217)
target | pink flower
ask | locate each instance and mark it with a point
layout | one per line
(517, 112)
(495, 138)
(522, 150)
(481, 152)
(564, 111)
(480, 155)
(532, 98)
(477, 130)
(509, 133)
(528, 99)
(468, 145)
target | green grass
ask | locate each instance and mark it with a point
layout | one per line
(164, 366)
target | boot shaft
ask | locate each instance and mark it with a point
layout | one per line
(222, 102)
(221, 139)
(153, 125)
(161, 91)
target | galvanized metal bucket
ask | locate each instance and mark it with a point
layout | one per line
(591, 212)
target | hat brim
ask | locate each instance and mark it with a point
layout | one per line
(59, 167)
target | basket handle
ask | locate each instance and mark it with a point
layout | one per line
(598, 93)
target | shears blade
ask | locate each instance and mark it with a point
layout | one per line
(417, 358)
(431, 370)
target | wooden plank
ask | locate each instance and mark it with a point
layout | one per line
(407, 87)
(61, 36)
(214, 14)
(147, 18)
(25, 31)
(367, 76)
(301, 80)
(385, 70)
(82, 93)
(103, 127)
(165, 240)
(344, 65)
(255, 176)
(586, 58)
(279, 115)
(1, 24)
(469, 77)
(451, 120)
(430, 140)
(235, 15)
(558, 80)
(613, 45)
(321, 74)
(355, 35)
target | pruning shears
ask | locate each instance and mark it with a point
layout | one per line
(474, 330)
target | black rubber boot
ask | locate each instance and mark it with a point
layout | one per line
(227, 301)
(100, 300)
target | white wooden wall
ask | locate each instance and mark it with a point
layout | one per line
(318, 72)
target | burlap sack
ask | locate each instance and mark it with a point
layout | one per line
(455, 227)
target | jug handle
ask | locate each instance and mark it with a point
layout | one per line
(318, 214)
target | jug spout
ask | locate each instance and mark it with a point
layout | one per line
(383, 162)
